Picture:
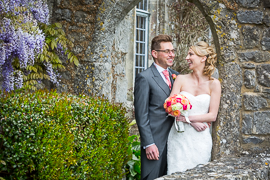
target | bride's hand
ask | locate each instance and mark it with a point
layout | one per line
(181, 118)
(199, 126)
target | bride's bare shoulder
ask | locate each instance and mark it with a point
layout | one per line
(215, 84)
(182, 77)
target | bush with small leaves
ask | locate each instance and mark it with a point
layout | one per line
(47, 135)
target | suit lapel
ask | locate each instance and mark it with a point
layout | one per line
(172, 81)
(160, 82)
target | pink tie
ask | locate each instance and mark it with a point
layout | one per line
(166, 74)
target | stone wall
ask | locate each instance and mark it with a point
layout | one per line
(242, 168)
(241, 35)
(96, 28)
(102, 32)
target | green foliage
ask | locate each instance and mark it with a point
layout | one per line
(133, 167)
(56, 43)
(46, 135)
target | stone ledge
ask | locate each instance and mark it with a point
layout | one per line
(241, 168)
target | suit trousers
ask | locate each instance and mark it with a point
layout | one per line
(161, 167)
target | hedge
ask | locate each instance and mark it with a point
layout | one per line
(47, 135)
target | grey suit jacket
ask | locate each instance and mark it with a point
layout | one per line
(154, 125)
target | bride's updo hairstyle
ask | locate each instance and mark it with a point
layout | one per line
(203, 49)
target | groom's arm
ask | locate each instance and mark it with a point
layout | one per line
(141, 104)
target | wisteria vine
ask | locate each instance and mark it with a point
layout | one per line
(21, 39)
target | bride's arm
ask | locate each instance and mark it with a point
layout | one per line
(211, 116)
(198, 126)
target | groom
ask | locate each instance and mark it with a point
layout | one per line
(152, 87)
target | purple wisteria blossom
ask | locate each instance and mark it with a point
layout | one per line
(18, 80)
(2, 55)
(7, 72)
(19, 41)
(51, 73)
(40, 11)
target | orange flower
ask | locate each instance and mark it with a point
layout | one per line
(176, 113)
(184, 101)
(165, 105)
(174, 101)
(169, 109)
(174, 76)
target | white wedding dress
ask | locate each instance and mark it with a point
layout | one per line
(188, 149)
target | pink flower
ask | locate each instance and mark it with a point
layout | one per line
(184, 107)
(169, 103)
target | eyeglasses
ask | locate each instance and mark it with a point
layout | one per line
(167, 51)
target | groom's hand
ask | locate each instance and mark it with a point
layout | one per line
(152, 152)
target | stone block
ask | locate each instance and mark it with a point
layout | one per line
(83, 17)
(119, 69)
(266, 93)
(249, 79)
(256, 56)
(121, 90)
(86, 2)
(229, 54)
(251, 17)
(266, 3)
(78, 49)
(76, 36)
(262, 122)
(254, 102)
(253, 140)
(248, 65)
(66, 75)
(257, 88)
(63, 14)
(249, 3)
(266, 20)
(263, 74)
(247, 123)
(266, 40)
(251, 36)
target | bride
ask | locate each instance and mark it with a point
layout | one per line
(193, 146)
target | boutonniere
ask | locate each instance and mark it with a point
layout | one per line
(174, 76)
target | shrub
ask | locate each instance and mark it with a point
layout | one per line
(133, 167)
(46, 135)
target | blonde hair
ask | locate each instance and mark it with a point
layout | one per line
(203, 49)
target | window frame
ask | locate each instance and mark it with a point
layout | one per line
(144, 14)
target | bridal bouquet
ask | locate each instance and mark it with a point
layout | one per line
(177, 105)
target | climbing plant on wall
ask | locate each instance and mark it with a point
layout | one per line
(188, 26)
(23, 41)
